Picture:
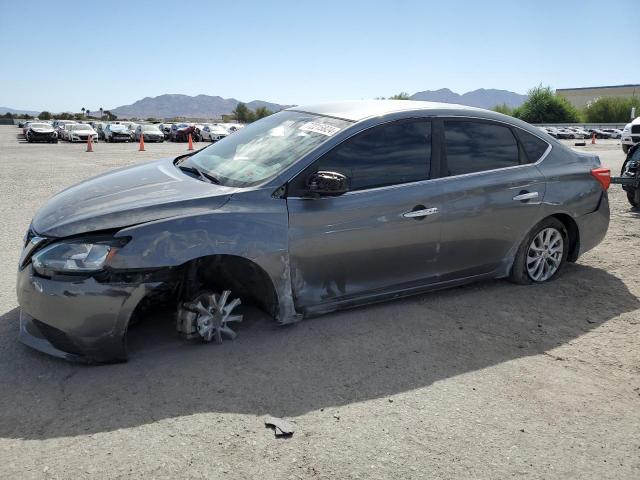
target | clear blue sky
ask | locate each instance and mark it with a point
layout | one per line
(60, 55)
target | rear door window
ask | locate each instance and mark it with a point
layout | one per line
(534, 147)
(474, 146)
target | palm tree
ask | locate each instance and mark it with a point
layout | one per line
(83, 110)
(101, 113)
(88, 113)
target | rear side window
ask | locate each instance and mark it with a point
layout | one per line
(388, 154)
(473, 146)
(534, 147)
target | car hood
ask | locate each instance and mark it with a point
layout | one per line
(128, 196)
(43, 130)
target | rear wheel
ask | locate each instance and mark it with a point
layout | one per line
(542, 254)
(634, 197)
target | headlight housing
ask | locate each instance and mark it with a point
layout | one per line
(72, 257)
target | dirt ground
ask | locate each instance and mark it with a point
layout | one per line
(486, 381)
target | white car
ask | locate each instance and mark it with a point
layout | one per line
(58, 125)
(630, 135)
(80, 132)
(614, 132)
(213, 132)
(581, 132)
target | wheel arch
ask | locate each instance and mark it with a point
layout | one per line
(573, 232)
(243, 276)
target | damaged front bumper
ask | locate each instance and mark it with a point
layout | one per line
(77, 319)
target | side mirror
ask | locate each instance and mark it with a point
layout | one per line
(327, 183)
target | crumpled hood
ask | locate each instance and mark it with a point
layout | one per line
(127, 196)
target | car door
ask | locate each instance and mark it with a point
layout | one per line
(380, 236)
(492, 191)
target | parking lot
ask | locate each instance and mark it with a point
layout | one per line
(490, 380)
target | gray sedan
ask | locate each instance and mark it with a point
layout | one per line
(311, 210)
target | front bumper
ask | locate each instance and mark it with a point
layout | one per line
(77, 319)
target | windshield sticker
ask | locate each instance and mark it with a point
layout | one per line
(321, 128)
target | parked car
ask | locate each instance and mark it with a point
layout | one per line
(613, 132)
(630, 135)
(599, 133)
(116, 132)
(213, 133)
(551, 131)
(631, 173)
(166, 129)
(99, 128)
(180, 132)
(566, 133)
(310, 210)
(131, 126)
(151, 133)
(41, 132)
(581, 132)
(80, 132)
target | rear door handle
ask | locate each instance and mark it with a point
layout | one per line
(525, 196)
(420, 213)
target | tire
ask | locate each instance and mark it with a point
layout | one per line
(523, 265)
(634, 197)
(625, 149)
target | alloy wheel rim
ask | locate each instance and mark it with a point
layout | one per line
(545, 254)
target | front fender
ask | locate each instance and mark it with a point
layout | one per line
(252, 226)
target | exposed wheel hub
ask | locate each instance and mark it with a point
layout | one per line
(208, 315)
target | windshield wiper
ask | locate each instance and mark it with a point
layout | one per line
(199, 173)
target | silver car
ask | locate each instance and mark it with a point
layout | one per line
(311, 210)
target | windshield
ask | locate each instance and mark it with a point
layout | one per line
(117, 128)
(264, 148)
(80, 127)
(149, 128)
(40, 125)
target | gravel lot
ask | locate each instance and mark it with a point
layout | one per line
(490, 380)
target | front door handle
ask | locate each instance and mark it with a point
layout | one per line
(420, 213)
(521, 197)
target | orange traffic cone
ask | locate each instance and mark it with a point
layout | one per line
(89, 143)
(190, 143)
(593, 138)
(141, 148)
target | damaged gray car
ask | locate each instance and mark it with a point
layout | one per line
(311, 210)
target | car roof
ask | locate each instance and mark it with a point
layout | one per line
(360, 109)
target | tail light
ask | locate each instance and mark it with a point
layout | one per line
(603, 176)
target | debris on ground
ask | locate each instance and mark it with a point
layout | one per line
(282, 428)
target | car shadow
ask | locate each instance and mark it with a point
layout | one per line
(337, 359)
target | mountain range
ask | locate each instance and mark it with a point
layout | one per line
(482, 98)
(208, 106)
(177, 105)
(4, 110)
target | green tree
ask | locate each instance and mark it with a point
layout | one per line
(503, 108)
(400, 96)
(110, 116)
(611, 110)
(44, 115)
(83, 110)
(243, 114)
(544, 106)
(8, 115)
(262, 112)
(152, 120)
